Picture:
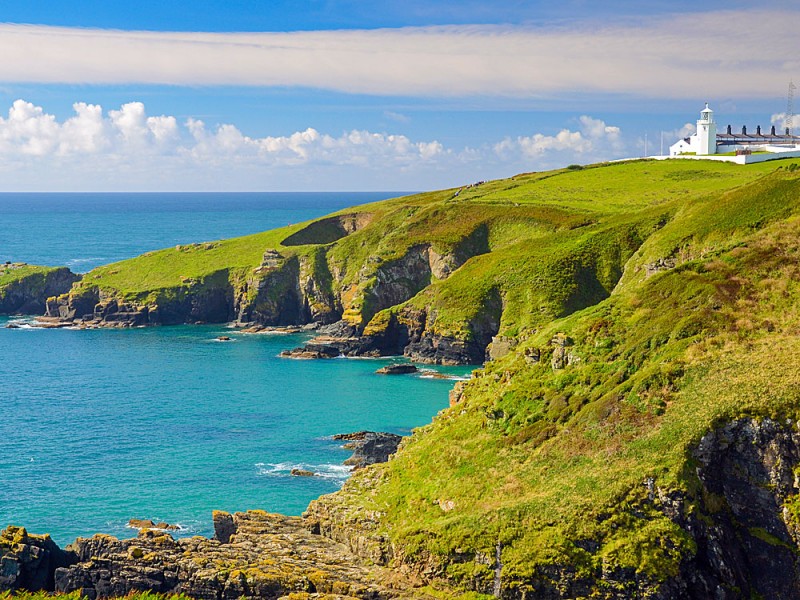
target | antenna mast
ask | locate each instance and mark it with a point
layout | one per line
(790, 108)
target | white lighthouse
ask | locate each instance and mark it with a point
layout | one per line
(706, 132)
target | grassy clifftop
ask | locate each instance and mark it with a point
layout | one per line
(582, 463)
(463, 265)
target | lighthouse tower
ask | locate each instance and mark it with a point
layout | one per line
(706, 132)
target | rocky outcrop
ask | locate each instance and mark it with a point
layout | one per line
(150, 524)
(369, 447)
(29, 293)
(253, 555)
(28, 562)
(747, 534)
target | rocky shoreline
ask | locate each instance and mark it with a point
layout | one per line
(253, 554)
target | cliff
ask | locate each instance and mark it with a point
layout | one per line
(24, 289)
(635, 433)
(434, 276)
(645, 446)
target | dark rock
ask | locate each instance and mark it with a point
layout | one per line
(224, 338)
(224, 527)
(401, 369)
(312, 351)
(369, 447)
(29, 295)
(747, 540)
(301, 473)
(28, 562)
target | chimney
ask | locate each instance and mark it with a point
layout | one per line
(744, 129)
(729, 130)
(758, 129)
(787, 131)
(772, 131)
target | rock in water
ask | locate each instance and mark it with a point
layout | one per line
(397, 369)
(301, 473)
(369, 447)
(149, 524)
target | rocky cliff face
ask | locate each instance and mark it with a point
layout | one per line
(28, 562)
(29, 294)
(743, 521)
(746, 530)
(296, 289)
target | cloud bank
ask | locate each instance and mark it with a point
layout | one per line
(707, 54)
(128, 149)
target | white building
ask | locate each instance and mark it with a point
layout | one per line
(701, 143)
(706, 141)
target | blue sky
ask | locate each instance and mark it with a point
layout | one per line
(353, 95)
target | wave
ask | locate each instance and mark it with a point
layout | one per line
(178, 528)
(21, 323)
(336, 472)
(434, 374)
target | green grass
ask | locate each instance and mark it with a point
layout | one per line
(543, 460)
(549, 462)
(526, 207)
(14, 273)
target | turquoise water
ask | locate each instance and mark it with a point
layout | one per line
(168, 423)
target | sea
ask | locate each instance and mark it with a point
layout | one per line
(168, 423)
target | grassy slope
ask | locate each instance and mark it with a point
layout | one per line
(534, 457)
(17, 274)
(541, 459)
(543, 230)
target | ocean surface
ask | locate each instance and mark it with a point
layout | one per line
(168, 423)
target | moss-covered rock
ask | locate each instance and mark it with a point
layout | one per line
(24, 289)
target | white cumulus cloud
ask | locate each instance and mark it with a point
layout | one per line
(126, 148)
(594, 138)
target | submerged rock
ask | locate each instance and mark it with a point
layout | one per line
(397, 369)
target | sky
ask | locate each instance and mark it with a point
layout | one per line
(284, 95)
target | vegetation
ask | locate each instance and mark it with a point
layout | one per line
(550, 449)
(11, 273)
(643, 298)
(535, 238)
